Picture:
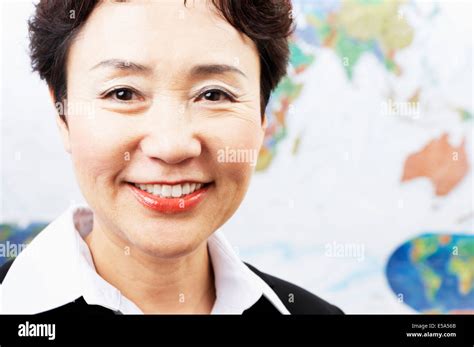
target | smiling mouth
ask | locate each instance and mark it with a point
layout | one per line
(167, 198)
(171, 191)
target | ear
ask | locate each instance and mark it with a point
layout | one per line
(263, 128)
(264, 122)
(61, 123)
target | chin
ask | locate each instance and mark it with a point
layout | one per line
(166, 244)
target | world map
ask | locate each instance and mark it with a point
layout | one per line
(436, 272)
(423, 272)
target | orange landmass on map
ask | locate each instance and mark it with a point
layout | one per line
(443, 164)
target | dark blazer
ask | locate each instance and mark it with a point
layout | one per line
(296, 299)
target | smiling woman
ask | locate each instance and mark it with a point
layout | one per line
(168, 86)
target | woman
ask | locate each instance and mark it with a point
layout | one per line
(149, 95)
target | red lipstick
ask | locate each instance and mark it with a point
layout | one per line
(169, 205)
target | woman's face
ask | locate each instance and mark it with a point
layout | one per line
(160, 93)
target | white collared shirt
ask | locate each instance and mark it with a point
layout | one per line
(57, 268)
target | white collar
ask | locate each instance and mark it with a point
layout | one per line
(57, 268)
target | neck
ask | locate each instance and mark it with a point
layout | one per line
(156, 285)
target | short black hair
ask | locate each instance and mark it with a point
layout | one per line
(55, 23)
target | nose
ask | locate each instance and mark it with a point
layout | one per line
(170, 135)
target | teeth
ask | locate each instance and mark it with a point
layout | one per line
(186, 188)
(168, 191)
(176, 191)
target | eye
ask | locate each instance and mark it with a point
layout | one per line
(215, 95)
(123, 94)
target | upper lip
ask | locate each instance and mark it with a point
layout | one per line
(170, 183)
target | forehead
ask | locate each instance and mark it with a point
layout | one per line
(164, 33)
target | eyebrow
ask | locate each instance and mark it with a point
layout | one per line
(124, 65)
(198, 70)
(214, 69)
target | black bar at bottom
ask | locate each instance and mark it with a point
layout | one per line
(454, 330)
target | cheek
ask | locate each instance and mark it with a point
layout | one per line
(235, 148)
(97, 154)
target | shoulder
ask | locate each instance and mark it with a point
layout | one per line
(296, 299)
(4, 269)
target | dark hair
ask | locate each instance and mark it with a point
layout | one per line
(268, 23)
